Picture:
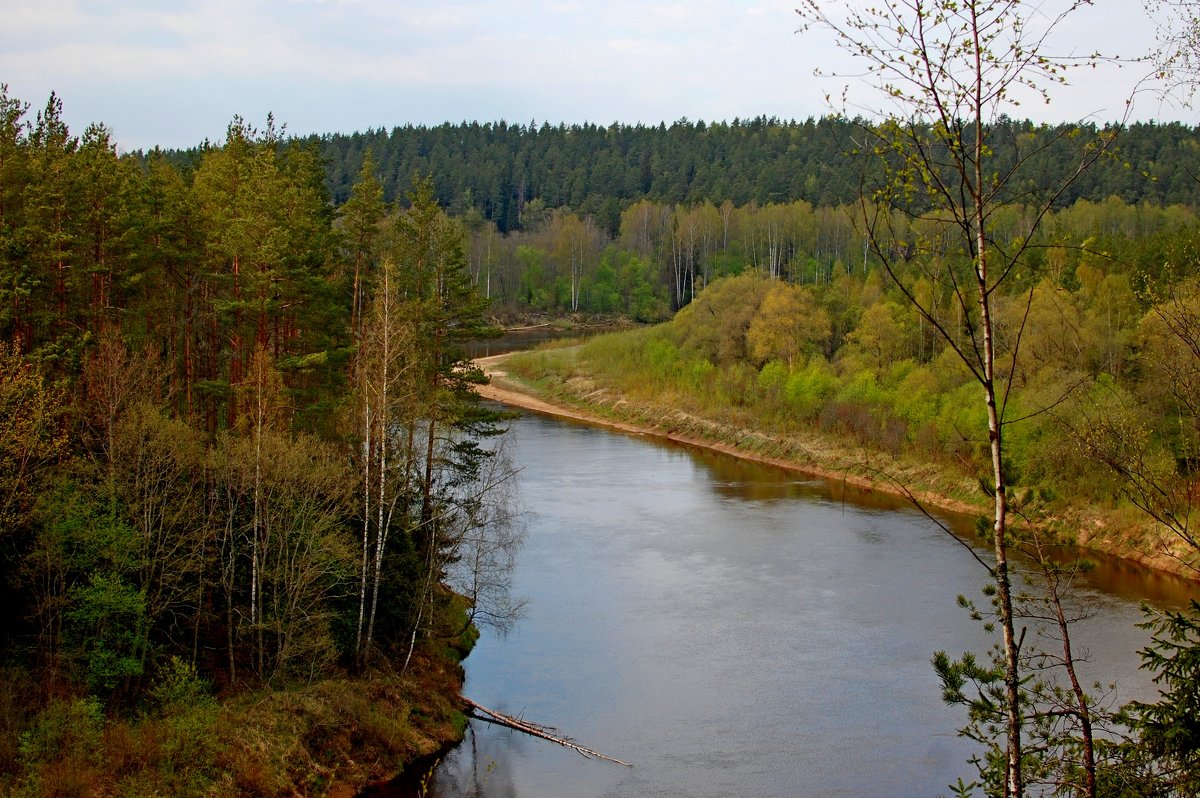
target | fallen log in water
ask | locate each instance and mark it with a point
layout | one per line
(534, 730)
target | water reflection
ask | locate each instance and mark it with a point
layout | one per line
(740, 479)
(745, 480)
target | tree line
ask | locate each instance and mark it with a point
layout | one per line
(498, 168)
(663, 255)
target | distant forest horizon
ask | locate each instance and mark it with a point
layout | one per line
(497, 168)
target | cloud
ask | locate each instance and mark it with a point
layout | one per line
(778, 7)
(142, 65)
(643, 48)
(41, 19)
(440, 18)
(223, 40)
(675, 12)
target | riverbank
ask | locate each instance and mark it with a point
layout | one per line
(677, 427)
(341, 738)
(337, 737)
(1121, 532)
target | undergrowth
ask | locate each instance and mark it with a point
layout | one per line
(305, 740)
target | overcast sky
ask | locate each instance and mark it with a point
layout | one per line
(167, 73)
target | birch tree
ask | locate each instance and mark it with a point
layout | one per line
(448, 310)
(949, 71)
(279, 503)
(386, 397)
(420, 422)
(1177, 57)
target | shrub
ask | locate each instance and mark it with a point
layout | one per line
(809, 390)
(179, 686)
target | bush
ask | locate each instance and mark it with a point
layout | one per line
(16, 713)
(662, 357)
(179, 686)
(809, 390)
(70, 727)
(772, 379)
(62, 752)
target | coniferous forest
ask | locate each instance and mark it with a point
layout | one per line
(239, 447)
(597, 171)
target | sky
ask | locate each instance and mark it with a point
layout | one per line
(173, 73)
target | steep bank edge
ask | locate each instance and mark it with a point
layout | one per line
(508, 390)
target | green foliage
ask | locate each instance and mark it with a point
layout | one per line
(31, 433)
(772, 378)
(910, 396)
(884, 334)
(533, 290)
(979, 687)
(602, 292)
(662, 357)
(788, 325)
(107, 626)
(177, 512)
(639, 288)
(71, 727)
(502, 165)
(1053, 759)
(715, 325)
(809, 390)
(179, 686)
(1169, 729)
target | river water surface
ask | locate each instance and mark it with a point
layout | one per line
(735, 629)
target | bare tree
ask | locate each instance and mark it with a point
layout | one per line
(485, 545)
(1176, 59)
(422, 470)
(386, 426)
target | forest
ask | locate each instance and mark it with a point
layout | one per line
(635, 220)
(497, 168)
(240, 452)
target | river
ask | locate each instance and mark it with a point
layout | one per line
(735, 629)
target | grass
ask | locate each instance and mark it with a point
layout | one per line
(335, 734)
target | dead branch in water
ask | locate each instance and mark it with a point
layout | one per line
(534, 730)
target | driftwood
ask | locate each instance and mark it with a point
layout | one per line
(534, 730)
